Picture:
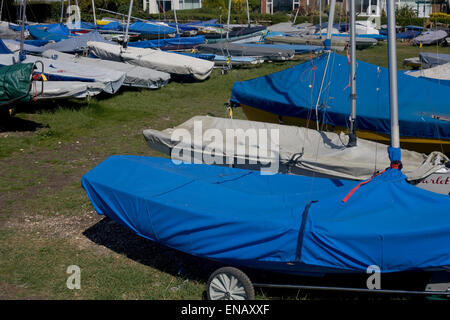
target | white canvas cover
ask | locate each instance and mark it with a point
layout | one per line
(441, 72)
(111, 79)
(301, 150)
(135, 76)
(154, 59)
(68, 89)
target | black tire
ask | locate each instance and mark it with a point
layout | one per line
(243, 282)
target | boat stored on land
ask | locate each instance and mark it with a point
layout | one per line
(154, 59)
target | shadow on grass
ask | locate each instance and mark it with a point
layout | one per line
(121, 240)
(9, 124)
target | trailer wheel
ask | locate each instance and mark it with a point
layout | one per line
(229, 283)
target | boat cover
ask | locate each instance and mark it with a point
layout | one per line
(154, 59)
(69, 89)
(430, 37)
(151, 28)
(299, 150)
(432, 59)
(75, 44)
(38, 33)
(294, 91)
(234, 49)
(113, 25)
(280, 222)
(63, 70)
(135, 76)
(170, 43)
(298, 48)
(15, 82)
(439, 74)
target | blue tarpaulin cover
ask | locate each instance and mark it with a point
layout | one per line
(281, 222)
(288, 93)
(38, 33)
(150, 28)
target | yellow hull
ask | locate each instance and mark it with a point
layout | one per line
(411, 143)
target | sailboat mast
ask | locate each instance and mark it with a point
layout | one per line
(93, 12)
(228, 19)
(125, 40)
(352, 136)
(320, 18)
(331, 18)
(248, 14)
(392, 54)
(22, 55)
(62, 11)
(175, 16)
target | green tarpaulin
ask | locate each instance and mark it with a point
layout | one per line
(15, 82)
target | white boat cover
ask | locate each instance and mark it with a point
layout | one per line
(135, 76)
(69, 89)
(111, 79)
(301, 150)
(154, 59)
(440, 72)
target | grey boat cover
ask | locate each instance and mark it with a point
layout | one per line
(135, 76)
(440, 72)
(301, 150)
(6, 32)
(227, 48)
(430, 37)
(431, 59)
(289, 28)
(69, 89)
(71, 45)
(111, 79)
(154, 59)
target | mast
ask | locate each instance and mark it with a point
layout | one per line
(393, 98)
(228, 19)
(125, 40)
(248, 14)
(1, 11)
(331, 18)
(352, 135)
(175, 16)
(62, 11)
(327, 47)
(93, 11)
(320, 18)
(22, 55)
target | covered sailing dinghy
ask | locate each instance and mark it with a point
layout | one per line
(135, 76)
(154, 59)
(290, 97)
(300, 150)
(278, 222)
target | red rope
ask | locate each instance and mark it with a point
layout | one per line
(359, 185)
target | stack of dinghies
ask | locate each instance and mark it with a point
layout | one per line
(63, 80)
(135, 76)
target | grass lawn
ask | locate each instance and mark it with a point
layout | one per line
(46, 220)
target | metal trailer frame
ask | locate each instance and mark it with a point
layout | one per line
(230, 283)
